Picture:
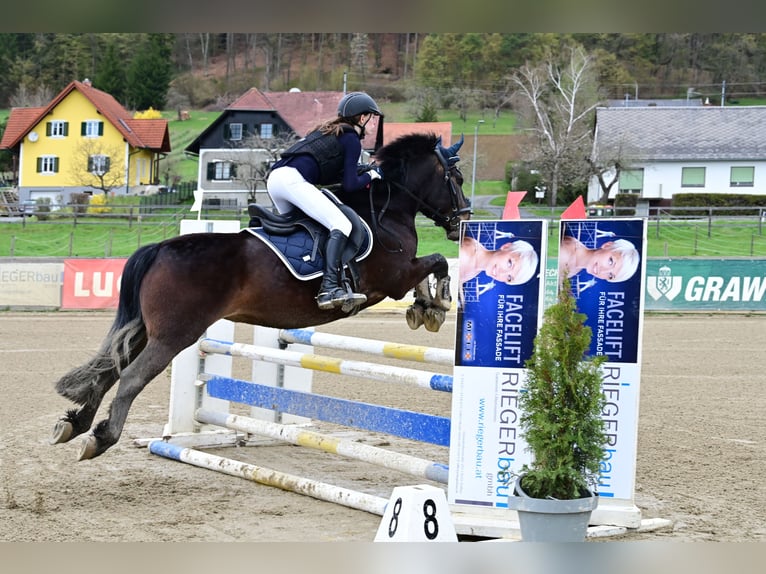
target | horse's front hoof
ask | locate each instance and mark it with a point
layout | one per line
(433, 319)
(414, 316)
(62, 432)
(88, 447)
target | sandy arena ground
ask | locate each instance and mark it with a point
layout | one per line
(701, 452)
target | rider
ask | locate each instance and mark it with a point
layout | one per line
(328, 155)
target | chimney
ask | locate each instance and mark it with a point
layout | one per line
(87, 82)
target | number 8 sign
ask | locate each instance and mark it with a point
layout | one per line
(417, 514)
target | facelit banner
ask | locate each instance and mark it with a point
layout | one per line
(496, 326)
(605, 262)
(499, 312)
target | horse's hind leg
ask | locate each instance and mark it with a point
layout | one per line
(146, 366)
(77, 421)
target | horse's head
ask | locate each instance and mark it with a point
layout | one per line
(428, 172)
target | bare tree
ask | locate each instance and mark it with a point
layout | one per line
(557, 101)
(97, 165)
(255, 156)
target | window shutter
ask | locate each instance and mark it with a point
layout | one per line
(55, 165)
(107, 162)
(66, 128)
(90, 164)
(226, 132)
(48, 128)
(39, 164)
(83, 128)
(210, 171)
(100, 128)
(233, 170)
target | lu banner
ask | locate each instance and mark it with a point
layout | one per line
(500, 305)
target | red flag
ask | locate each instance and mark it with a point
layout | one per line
(576, 210)
(512, 201)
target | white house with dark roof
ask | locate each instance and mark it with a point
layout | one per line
(668, 150)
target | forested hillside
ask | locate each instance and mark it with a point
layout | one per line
(203, 69)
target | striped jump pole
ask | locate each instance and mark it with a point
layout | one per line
(270, 477)
(411, 425)
(361, 369)
(371, 346)
(358, 451)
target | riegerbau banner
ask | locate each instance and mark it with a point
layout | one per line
(30, 284)
(604, 259)
(499, 312)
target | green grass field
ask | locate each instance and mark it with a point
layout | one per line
(100, 237)
(93, 236)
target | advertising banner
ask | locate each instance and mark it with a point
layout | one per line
(706, 284)
(499, 313)
(605, 261)
(91, 283)
(30, 284)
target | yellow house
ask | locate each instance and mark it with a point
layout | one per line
(83, 141)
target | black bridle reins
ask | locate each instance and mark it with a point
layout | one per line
(438, 219)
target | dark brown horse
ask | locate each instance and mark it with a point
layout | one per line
(172, 291)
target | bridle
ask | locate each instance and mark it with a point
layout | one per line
(447, 222)
(450, 173)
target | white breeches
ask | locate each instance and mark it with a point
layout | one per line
(288, 189)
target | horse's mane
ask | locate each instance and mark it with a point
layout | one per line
(393, 156)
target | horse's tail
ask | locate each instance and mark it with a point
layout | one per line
(125, 339)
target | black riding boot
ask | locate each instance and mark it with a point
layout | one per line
(333, 293)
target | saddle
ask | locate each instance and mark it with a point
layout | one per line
(299, 241)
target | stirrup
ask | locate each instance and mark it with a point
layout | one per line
(331, 299)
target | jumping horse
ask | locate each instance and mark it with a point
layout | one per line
(172, 291)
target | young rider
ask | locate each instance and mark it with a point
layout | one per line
(328, 155)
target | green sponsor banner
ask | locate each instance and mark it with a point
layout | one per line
(706, 284)
(694, 284)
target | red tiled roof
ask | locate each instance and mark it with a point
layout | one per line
(20, 121)
(302, 111)
(26, 118)
(152, 132)
(252, 99)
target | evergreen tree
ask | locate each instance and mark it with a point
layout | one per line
(110, 74)
(150, 72)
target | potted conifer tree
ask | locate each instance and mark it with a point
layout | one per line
(561, 422)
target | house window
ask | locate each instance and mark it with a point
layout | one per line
(692, 177)
(266, 131)
(221, 170)
(742, 176)
(47, 164)
(98, 165)
(57, 129)
(631, 181)
(92, 128)
(234, 132)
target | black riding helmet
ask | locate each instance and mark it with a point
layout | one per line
(356, 103)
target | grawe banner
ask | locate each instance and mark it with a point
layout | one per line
(605, 261)
(91, 283)
(499, 313)
(706, 284)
